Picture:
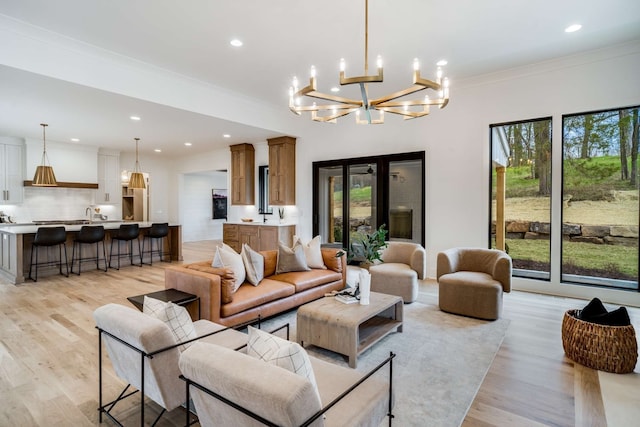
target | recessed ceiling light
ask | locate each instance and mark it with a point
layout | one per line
(136, 118)
(157, 150)
(75, 140)
(442, 63)
(335, 89)
(236, 42)
(226, 135)
(572, 28)
(188, 144)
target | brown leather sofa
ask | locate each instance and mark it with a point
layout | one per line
(275, 293)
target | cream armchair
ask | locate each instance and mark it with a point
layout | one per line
(145, 354)
(230, 388)
(471, 281)
(404, 263)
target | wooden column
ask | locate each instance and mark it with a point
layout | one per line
(500, 197)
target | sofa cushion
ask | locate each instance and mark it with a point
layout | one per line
(270, 262)
(253, 264)
(249, 296)
(331, 261)
(227, 278)
(291, 259)
(303, 280)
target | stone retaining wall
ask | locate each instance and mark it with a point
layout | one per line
(626, 235)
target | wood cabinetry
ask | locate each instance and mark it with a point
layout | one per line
(108, 179)
(11, 172)
(242, 174)
(282, 171)
(258, 237)
(135, 204)
(8, 253)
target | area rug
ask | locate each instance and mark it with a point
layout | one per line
(440, 364)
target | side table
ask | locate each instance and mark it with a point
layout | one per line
(169, 295)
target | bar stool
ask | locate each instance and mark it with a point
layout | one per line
(157, 232)
(88, 235)
(48, 237)
(126, 233)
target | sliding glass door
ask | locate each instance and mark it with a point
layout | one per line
(360, 194)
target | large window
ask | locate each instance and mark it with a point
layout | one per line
(600, 198)
(521, 194)
(361, 194)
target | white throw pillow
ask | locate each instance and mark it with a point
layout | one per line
(180, 323)
(154, 308)
(177, 318)
(312, 252)
(280, 352)
(253, 264)
(228, 258)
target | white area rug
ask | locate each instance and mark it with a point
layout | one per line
(440, 364)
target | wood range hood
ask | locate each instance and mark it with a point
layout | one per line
(67, 184)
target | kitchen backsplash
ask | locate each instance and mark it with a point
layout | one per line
(41, 204)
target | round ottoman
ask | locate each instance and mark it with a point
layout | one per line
(395, 279)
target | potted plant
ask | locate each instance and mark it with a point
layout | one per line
(366, 247)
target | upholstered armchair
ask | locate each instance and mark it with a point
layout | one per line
(231, 388)
(404, 263)
(471, 281)
(144, 353)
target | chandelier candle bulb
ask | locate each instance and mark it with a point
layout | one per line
(396, 102)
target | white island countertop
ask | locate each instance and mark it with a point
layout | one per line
(108, 225)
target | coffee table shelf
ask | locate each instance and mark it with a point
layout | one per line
(374, 329)
(348, 329)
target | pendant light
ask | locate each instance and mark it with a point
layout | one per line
(44, 176)
(137, 179)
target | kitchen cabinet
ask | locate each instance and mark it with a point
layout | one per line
(11, 173)
(260, 237)
(282, 171)
(242, 174)
(108, 179)
(135, 203)
(8, 253)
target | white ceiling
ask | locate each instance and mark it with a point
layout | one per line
(281, 38)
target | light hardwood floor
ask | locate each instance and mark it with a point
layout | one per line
(49, 375)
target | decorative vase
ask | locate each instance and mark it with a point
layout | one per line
(365, 287)
(365, 265)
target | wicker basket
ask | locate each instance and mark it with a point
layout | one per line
(606, 348)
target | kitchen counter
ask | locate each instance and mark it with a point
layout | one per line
(16, 241)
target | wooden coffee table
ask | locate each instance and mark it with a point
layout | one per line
(348, 329)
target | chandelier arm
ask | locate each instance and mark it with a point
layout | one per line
(407, 114)
(413, 103)
(378, 78)
(329, 107)
(331, 118)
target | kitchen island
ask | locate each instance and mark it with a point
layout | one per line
(16, 242)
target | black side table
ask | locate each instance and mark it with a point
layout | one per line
(168, 295)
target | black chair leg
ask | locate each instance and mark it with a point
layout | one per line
(66, 263)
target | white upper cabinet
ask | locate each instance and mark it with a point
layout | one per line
(11, 173)
(109, 187)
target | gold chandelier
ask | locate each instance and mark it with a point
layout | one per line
(339, 106)
(44, 176)
(137, 178)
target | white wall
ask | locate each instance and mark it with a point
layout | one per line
(197, 206)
